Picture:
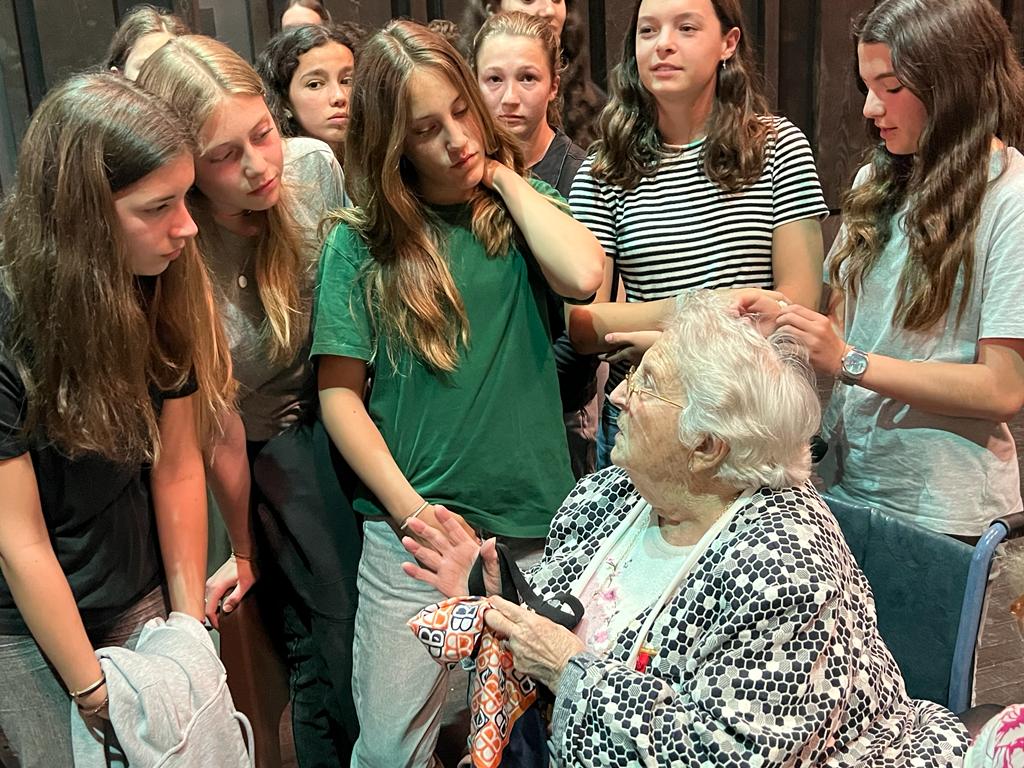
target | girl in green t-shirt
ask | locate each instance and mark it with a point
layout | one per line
(424, 284)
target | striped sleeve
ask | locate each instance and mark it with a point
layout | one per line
(796, 190)
(593, 203)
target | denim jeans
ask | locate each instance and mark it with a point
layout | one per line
(581, 434)
(398, 688)
(606, 434)
(35, 708)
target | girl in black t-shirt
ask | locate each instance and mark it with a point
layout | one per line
(582, 100)
(110, 355)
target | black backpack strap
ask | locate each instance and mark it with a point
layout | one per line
(563, 608)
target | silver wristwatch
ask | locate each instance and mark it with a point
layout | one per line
(855, 363)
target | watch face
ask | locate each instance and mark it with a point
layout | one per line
(856, 363)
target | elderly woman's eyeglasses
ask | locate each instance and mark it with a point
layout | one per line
(633, 386)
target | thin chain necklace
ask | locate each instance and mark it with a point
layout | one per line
(243, 281)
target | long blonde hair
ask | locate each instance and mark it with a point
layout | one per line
(194, 74)
(89, 338)
(408, 285)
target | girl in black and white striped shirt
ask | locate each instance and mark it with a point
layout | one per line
(693, 184)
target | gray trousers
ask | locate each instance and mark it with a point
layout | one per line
(399, 689)
(35, 708)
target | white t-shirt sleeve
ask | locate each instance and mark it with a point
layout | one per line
(1003, 277)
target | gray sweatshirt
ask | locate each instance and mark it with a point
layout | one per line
(169, 703)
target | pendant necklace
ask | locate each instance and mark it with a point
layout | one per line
(243, 281)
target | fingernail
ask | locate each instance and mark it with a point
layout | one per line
(228, 608)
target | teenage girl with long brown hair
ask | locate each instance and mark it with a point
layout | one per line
(693, 183)
(925, 335)
(109, 351)
(258, 203)
(435, 283)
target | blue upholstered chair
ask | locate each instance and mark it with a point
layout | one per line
(929, 590)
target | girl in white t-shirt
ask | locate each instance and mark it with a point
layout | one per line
(925, 334)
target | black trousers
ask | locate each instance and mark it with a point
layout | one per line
(309, 547)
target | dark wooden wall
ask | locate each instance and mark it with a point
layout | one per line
(803, 47)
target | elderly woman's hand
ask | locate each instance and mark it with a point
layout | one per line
(446, 554)
(540, 648)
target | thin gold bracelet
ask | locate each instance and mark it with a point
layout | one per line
(76, 695)
(240, 556)
(97, 710)
(419, 509)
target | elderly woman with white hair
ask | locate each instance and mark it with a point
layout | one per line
(726, 622)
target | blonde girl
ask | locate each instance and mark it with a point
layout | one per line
(258, 203)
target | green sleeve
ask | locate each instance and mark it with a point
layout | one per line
(341, 323)
(548, 191)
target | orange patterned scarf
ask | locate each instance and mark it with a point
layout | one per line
(454, 630)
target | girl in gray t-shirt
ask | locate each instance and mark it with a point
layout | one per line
(925, 336)
(258, 203)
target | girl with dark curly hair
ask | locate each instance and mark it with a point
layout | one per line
(308, 73)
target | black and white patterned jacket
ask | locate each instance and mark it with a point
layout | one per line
(769, 655)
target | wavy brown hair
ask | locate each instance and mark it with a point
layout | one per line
(140, 21)
(519, 24)
(582, 102)
(408, 284)
(195, 74)
(631, 147)
(89, 338)
(958, 59)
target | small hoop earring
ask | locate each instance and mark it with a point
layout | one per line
(288, 113)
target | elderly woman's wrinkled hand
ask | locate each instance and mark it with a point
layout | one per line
(540, 648)
(824, 344)
(446, 553)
